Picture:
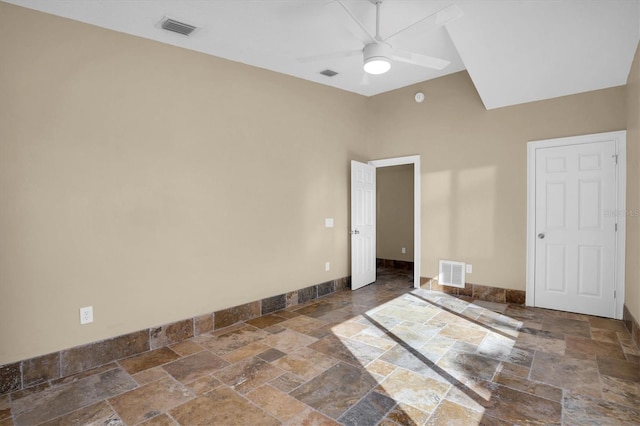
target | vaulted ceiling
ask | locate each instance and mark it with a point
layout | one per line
(515, 51)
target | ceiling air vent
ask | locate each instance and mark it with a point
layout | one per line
(451, 273)
(328, 73)
(176, 26)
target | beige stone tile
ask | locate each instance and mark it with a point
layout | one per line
(287, 382)
(602, 335)
(305, 362)
(96, 414)
(566, 372)
(150, 375)
(463, 334)
(585, 410)
(381, 368)
(161, 420)
(190, 368)
(222, 406)
(451, 413)
(403, 414)
(302, 324)
(252, 349)
(150, 400)
(593, 347)
(288, 341)
(413, 389)
(186, 348)
(247, 375)
(310, 417)
(204, 384)
(621, 391)
(148, 360)
(542, 390)
(68, 397)
(277, 403)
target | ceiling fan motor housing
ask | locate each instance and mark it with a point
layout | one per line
(377, 53)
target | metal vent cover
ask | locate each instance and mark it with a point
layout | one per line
(328, 73)
(177, 26)
(452, 273)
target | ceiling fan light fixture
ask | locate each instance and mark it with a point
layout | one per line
(376, 58)
(377, 65)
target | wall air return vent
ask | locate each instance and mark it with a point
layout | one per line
(451, 273)
(176, 26)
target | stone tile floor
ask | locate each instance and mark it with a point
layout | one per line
(385, 354)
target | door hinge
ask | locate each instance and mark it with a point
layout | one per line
(616, 227)
(614, 294)
(615, 157)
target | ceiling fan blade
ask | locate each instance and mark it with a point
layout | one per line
(433, 21)
(370, 37)
(420, 60)
(327, 56)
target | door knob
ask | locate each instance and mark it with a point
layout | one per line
(356, 232)
(541, 235)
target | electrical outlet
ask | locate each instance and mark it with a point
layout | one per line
(469, 268)
(404, 250)
(327, 266)
(86, 315)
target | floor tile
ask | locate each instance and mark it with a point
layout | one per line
(69, 397)
(221, 406)
(566, 372)
(231, 340)
(305, 362)
(384, 355)
(583, 410)
(566, 326)
(369, 411)
(190, 368)
(414, 389)
(621, 391)
(148, 360)
(150, 400)
(248, 374)
(336, 390)
(618, 368)
(288, 341)
(99, 413)
(451, 413)
(277, 403)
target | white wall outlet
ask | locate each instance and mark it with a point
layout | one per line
(327, 266)
(328, 222)
(404, 250)
(468, 268)
(86, 315)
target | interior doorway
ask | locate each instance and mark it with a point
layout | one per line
(413, 160)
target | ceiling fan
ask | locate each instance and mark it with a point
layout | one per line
(378, 52)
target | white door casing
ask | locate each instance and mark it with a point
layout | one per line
(575, 241)
(363, 224)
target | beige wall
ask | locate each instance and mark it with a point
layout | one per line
(156, 183)
(474, 165)
(394, 213)
(632, 289)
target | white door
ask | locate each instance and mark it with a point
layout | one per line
(363, 224)
(575, 228)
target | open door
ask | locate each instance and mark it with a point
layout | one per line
(363, 224)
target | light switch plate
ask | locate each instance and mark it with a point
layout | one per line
(468, 268)
(328, 222)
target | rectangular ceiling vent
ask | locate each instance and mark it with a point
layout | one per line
(451, 273)
(176, 26)
(328, 73)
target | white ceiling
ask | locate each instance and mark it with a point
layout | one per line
(515, 51)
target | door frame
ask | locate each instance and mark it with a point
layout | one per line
(619, 137)
(417, 243)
